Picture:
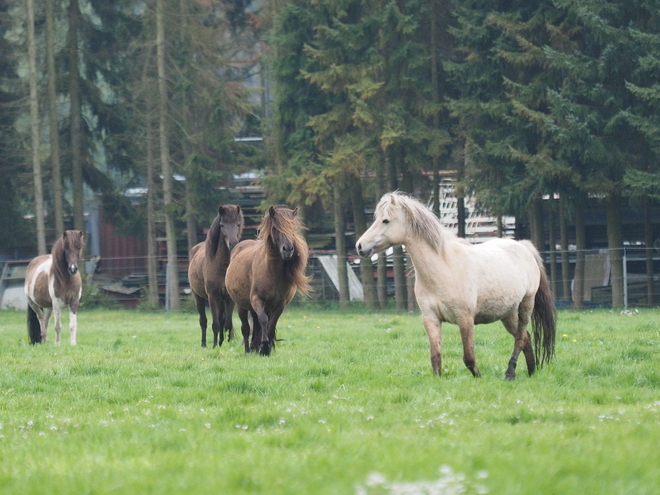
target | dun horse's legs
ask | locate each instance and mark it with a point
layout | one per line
(245, 328)
(466, 326)
(433, 328)
(200, 304)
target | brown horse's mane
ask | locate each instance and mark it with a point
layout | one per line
(229, 214)
(286, 222)
(71, 240)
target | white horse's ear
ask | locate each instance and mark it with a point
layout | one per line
(295, 211)
(392, 199)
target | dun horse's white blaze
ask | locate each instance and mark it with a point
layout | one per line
(467, 284)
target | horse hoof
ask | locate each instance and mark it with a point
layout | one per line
(509, 377)
(265, 349)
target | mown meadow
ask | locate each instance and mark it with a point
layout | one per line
(346, 404)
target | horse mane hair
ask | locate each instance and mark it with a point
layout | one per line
(229, 214)
(71, 240)
(286, 222)
(421, 219)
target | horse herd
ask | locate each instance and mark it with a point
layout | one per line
(455, 281)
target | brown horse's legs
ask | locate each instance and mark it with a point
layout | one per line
(245, 328)
(200, 304)
(433, 328)
(467, 336)
(229, 324)
(256, 332)
(218, 316)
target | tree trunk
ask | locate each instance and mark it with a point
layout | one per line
(340, 244)
(34, 123)
(382, 257)
(366, 267)
(168, 203)
(648, 242)
(58, 207)
(435, 90)
(536, 223)
(552, 241)
(152, 245)
(459, 190)
(565, 260)
(398, 262)
(580, 246)
(76, 118)
(615, 246)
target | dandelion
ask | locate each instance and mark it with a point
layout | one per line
(564, 336)
(574, 340)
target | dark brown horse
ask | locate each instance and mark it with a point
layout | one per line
(265, 274)
(53, 282)
(207, 268)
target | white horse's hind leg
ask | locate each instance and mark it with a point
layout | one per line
(516, 324)
(73, 326)
(44, 319)
(433, 328)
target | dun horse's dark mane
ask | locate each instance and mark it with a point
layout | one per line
(287, 224)
(215, 232)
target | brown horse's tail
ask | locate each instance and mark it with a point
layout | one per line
(34, 327)
(544, 321)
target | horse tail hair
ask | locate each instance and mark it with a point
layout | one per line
(34, 327)
(544, 317)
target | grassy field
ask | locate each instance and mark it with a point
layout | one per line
(346, 404)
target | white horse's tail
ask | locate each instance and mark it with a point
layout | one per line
(544, 321)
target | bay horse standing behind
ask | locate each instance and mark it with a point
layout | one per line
(265, 274)
(207, 268)
(468, 284)
(52, 282)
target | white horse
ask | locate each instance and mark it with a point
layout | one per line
(53, 282)
(468, 284)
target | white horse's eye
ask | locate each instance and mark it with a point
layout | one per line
(386, 221)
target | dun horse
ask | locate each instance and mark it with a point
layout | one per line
(206, 272)
(468, 284)
(53, 282)
(265, 274)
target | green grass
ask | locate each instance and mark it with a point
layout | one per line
(139, 407)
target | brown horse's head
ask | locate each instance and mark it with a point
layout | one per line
(226, 228)
(279, 230)
(69, 249)
(231, 224)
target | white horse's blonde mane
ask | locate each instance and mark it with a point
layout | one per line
(422, 220)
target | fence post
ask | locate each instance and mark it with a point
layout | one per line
(167, 288)
(625, 280)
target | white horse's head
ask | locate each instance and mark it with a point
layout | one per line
(389, 227)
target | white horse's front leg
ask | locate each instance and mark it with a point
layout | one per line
(58, 323)
(73, 327)
(433, 328)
